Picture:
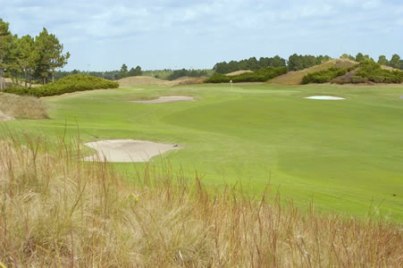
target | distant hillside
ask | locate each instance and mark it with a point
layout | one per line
(295, 77)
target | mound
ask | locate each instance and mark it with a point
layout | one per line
(5, 117)
(239, 72)
(141, 81)
(295, 77)
(165, 99)
(14, 106)
(127, 150)
(186, 80)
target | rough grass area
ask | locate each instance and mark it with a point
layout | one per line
(22, 107)
(68, 84)
(56, 211)
(261, 75)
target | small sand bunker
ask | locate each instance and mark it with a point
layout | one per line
(127, 150)
(324, 98)
(5, 117)
(166, 99)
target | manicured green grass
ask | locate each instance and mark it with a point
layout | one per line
(344, 156)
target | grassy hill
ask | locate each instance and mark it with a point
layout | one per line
(296, 77)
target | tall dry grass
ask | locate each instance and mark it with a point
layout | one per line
(23, 107)
(57, 211)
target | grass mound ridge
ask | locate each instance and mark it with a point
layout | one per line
(22, 107)
(141, 81)
(68, 84)
(261, 75)
(296, 77)
(57, 211)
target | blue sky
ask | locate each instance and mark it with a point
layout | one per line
(104, 34)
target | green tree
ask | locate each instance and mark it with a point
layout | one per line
(26, 58)
(347, 56)
(395, 61)
(363, 58)
(135, 71)
(382, 60)
(5, 44)
(123, 71)
(49, 55)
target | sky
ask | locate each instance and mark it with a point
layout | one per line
(156, 34)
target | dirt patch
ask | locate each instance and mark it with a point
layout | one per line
(127, 150)
(166, 99)
(324, 98)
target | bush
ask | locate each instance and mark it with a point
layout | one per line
(324, 76)
(374, 73)
(68, 84)
(261, 75)
(190, 73)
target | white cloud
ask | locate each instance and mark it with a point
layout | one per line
(175, 27)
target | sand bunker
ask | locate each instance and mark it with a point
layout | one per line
(165, 99)
(127, 150)
(5, 117)
(324, 98)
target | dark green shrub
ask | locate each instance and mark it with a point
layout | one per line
(68, 84)
(374, 73)
(324, 76)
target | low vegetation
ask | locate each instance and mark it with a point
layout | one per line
(68, 84)
(324, 76)
(261, 75)
(22, 107)
(374, 73)
(58, 211)
(187, 73)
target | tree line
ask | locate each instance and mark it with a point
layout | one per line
(29, 58)
(297, 62)
(395, 61)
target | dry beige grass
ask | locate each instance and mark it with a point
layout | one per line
(239, 72)
(56, 211)
(148, 80)
(141, 81)
(22, 107)
(295, 77)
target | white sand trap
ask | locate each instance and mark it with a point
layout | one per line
(127, 150)
(324, 98)
(166, 99)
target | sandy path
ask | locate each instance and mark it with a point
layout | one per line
(166, 99)
(127, 150)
